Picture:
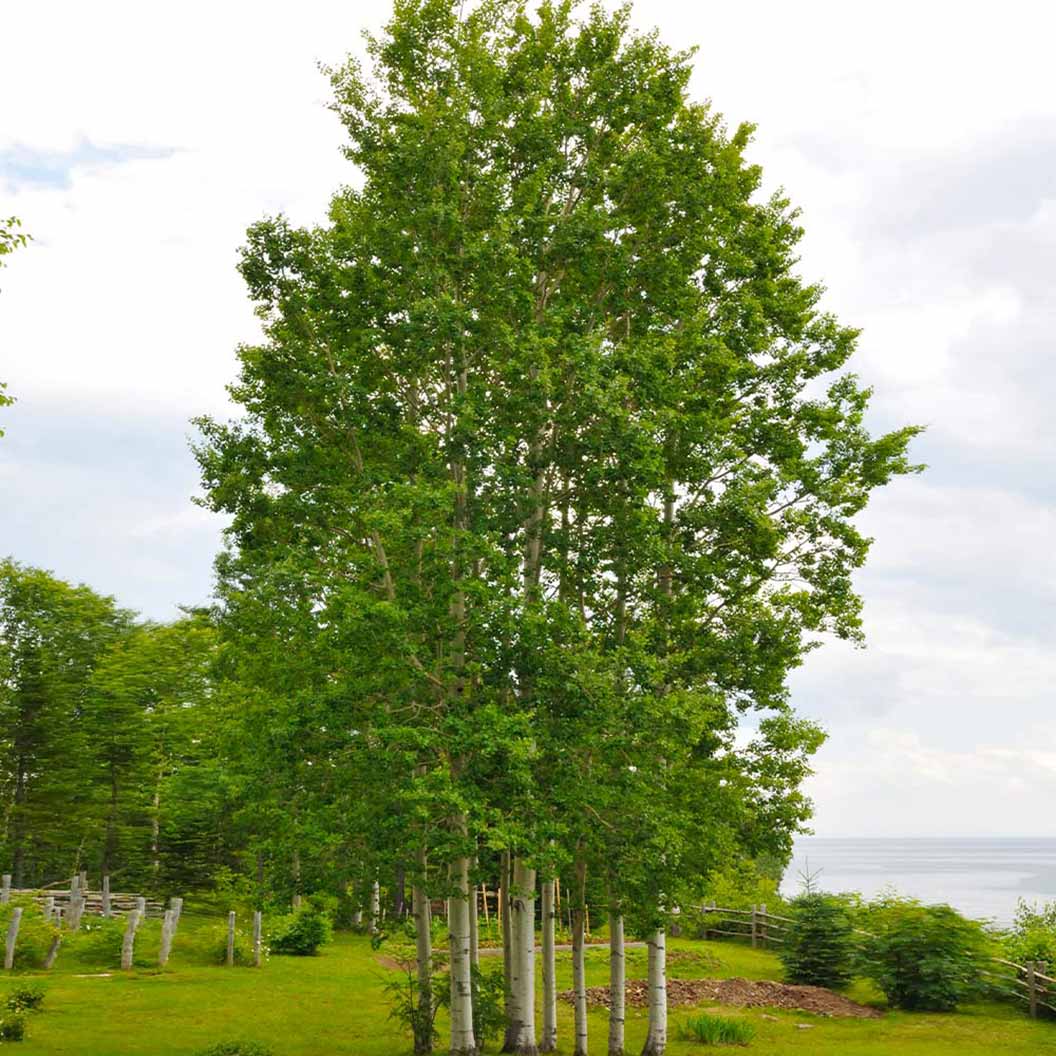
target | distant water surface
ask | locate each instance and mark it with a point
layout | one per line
(982, 877)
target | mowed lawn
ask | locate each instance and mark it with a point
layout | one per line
(335, 1004)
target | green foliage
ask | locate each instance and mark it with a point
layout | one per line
(12, 1027)
(924, 958)
(35, 934)
(489, 1000)
(716, 1030)
(26, 997)
(299, 934)
(404, 999)
(236, 1048)
(1033, 934)
(97, 945)
(820, 948)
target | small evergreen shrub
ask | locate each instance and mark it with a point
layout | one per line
(12, 1027)
(299, 934)
(924, 958)
(706, 1029)
(820, 947)
(28, 997)
(236, 1048)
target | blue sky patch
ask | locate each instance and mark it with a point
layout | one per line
(23, 167)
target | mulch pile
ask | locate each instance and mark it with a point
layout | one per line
(745, 993)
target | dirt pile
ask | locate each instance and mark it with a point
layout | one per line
(746, 993)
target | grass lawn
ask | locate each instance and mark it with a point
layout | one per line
(334, 1004)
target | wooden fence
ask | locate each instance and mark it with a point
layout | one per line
(1028, 982)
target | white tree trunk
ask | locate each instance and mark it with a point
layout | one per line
(423, 944)
(523, 903)
(509, 959)
(548, 1042)
(462, 1039)
(375, 908)
(579, 979)
(617, 984)
(656, 1039)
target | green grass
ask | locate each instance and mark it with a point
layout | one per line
(333, 1005)
(706, 1029)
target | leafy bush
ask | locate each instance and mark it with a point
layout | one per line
(98, 944)
(299, 934)
(211, 945)
(716, 1030)
(489, 1005)
(1033, 934)
(925, 958)
(405, 1007)
(236, 1048)
(28, 997)
(820, 947)
(12, 1027)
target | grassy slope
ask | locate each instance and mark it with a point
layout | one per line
(333, 1004)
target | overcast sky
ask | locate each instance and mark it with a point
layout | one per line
(137, 142)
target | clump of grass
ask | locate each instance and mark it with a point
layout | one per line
(12, 1027)
(716, 1030)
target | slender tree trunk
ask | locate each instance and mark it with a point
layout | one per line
(656, 1039)
(579, 974)
(423, 1032)
(155, 830)
(524, 956)
(399, 893)
(474, 928)
(548, 1042)
(617, 983)
(462, 1040)
(509, 960)
(375, 908)
(18, 825)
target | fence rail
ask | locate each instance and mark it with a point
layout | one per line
(1028, 982)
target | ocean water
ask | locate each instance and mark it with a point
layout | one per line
(982, 877)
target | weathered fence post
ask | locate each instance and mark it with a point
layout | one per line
(49, 907)
(12, 938)
(75, 912)
(257, 933)
(231, 939)
(128, 944)
(176, 904)
(106, 895)
(755, 928)
(1032, 989)
(166, 939)
(84, 880)
(53, 951)
(762, 925)
(5, 888)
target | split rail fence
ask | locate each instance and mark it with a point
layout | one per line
(1027, 983)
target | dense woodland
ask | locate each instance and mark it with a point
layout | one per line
(545, 479)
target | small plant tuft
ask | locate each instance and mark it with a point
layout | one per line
(706, 1029)
(12, 1027)
(236, 1048)
(28, 997)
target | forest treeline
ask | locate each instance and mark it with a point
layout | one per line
(544, 479)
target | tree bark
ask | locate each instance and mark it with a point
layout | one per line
(548, 1042)
(656, 1039)
(509, 961)
(524, 956)
(579, 974)
(474, 929)
(375, 908)
(462, 1039)
(423, 1033)
(617, 983)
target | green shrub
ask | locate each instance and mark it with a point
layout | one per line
(12, 1027)
(405, 1007)
(236, 1048)
(35, 934)
(210, 945)
(716, 1030)
(97, 946)
(27, 997)
(1033, 934)
(489, 1005)
(299, 934)
(924, 958)
(819, 947)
